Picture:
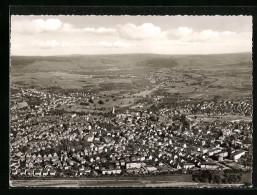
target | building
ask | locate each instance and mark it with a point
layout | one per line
(237, 155)
(52, 172)
(37, 172)
(151, 169)
(45, 172)
(188, 166)
(133, 165)
(111, 171)
(23, 172)
(22, 105)
(209, 166)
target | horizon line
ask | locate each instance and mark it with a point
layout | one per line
(62, 55)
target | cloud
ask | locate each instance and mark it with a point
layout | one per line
(114, 44)
(51, 25)
(66, 27)
(144, 31)
(185, 31)
(48, 44)
(178, 32)
(186, 34)
(36, 26)
(210, 36)
(100, 30)
(58, 35)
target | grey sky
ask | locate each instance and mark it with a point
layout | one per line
(61, 35)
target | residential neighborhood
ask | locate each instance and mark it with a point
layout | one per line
(141, 140)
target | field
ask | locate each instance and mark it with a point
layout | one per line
(195, 75)
(129, 181)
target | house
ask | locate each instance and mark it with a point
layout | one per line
(204, 150)
(30, 172)
(21, 105)
(133, 165)
(151, 169)
(38, 160)
(66, 167)
(161, 164)
(117, 163)
(45, 172)
(46, 158)
(48, 165)
(23, 172)
(37, 172)
(103, 160)
(52, 172)
(237, 155)
(218, 158)
(188, 166)
(87, 171)
(133, 171)
(142, 158)
(14, 162)
(91, 159)
(34, 156)
(107, 139)
(14, 172)
(81, 173)
(150, 157)
(122, 163)
(95, 131)
(55, 158)
(100, 147)
(223, 154)
(209, 166)
(81, 168)
(70, 162)
(90, 137)
(213, 151)
(178, 166)
(111, 171)
(127, 160)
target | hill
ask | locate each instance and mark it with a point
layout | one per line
(23, 64)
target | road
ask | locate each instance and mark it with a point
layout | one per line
(111, 183)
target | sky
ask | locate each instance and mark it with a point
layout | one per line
(90, 35)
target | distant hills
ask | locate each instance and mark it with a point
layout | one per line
(22, 64)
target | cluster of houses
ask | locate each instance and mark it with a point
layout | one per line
(213, 108)
(131, 142)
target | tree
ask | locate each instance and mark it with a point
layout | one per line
(217, 179)
(247, 184)
(84, 103)
(100, 102)
(216, 98)
(24, 149)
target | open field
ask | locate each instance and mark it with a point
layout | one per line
(184, 180)
(114, 183)
(193, 76)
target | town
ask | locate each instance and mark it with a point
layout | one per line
(140, 139)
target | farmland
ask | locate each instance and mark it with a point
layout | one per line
(194, 76)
